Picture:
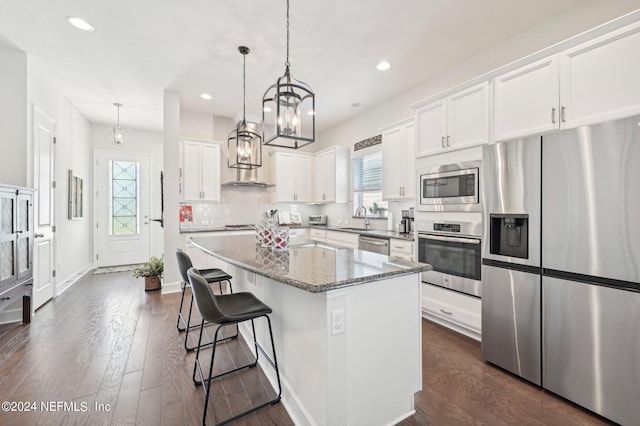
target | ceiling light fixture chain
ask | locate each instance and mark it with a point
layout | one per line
(287, 64)
(244, 86)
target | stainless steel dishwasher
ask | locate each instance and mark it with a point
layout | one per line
(373, 244)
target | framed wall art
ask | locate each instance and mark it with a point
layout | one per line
(76, 194)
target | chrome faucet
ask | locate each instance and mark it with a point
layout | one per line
(366, 219)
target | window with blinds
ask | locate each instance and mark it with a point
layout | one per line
(367, 185)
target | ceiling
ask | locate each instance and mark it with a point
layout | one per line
(141, 48)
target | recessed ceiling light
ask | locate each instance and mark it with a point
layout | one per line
(80, 23)
(383, 66)
(206, 96)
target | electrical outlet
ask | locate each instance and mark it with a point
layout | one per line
(337, 322)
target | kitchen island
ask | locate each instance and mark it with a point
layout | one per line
(346, 322)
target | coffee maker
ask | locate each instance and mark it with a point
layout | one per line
(406, 224)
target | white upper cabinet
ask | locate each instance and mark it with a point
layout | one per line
(458, 121)
(599, 79)
(526, 100)
(593, 82)
(332, 175)
(398, 159)
(292, 177)
(200, 171)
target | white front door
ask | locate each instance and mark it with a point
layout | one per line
(122, 201)
(43, 176)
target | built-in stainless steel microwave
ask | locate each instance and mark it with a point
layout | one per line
(451, 187)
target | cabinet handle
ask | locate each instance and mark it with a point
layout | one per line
(553, 115)
(562, 118)
(446, 312)
(6, 298)
(38, 235)
(448, 139)
(443, 141)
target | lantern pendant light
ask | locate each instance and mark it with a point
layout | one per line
(244, 143)
(288, 110)
(117, 134)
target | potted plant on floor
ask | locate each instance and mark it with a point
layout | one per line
(152, 273)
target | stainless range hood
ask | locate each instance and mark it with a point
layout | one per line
(247, 177)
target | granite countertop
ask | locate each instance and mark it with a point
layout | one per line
(308, 265)
(217, 229)
(373, 232)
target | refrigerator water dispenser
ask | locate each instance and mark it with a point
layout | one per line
(509, 235)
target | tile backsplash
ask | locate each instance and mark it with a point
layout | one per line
(240, 206)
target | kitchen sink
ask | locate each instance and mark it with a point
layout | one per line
(356, 229)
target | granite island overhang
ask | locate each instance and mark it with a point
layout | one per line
(347, 326)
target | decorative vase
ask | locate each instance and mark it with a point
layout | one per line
(152, 283)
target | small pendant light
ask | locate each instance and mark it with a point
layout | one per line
(244, 143)
(288, 110)
(117, 134)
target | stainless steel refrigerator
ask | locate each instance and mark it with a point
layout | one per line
(586, 305)
(511, 268)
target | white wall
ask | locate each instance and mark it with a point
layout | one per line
(141, 142)
(13, 116)
(74, 238)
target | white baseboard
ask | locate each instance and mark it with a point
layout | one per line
(63, 286)
(171, 287)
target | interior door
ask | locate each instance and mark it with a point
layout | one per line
(43, 177)
(122, 227)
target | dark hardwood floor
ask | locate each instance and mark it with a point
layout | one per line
(106, 352)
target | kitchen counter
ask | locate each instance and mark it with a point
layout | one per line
(216, 229)
(308, 265)
(340, 316)
(372, 232)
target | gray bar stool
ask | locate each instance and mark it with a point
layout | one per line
(212, 276)
(225, 310)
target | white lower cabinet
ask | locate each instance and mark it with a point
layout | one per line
(298, 233)
(453, 310)
(401, 248)
(318, 235)
(343, 239)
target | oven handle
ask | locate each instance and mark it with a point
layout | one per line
(450, 239)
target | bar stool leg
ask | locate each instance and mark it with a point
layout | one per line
(180, 317)
(207, 386)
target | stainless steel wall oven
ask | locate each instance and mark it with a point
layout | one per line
(454, 251)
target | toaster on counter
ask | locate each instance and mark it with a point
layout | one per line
(318, 219)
